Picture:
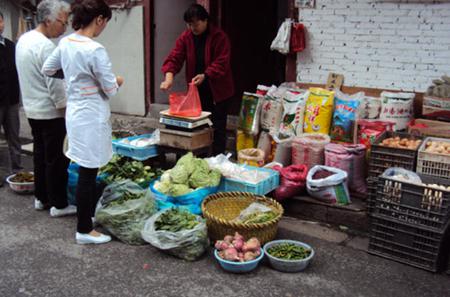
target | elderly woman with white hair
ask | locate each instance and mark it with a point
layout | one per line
(44, 102)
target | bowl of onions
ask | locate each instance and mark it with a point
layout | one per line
(236, 255)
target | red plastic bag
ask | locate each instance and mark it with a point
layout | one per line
(298, 40)
(186, 105)
(293, 181)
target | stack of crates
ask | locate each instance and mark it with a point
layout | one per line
(384, 157)
(410, 221)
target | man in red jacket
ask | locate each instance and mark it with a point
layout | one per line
(206, 50)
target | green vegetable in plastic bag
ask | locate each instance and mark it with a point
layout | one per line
(123, 209)
(188, 243)
(175, 220)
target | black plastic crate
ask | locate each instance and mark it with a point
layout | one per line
(416, 204)
(420, 247)
(383, 157)
(372, 183)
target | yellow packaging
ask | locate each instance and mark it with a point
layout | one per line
(244, 141)
(319, 111)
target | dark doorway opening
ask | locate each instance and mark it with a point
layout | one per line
(251, 26)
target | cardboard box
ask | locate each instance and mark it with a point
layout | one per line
(422, 127)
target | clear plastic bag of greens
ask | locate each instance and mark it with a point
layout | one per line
(187, 244)
(123, 209)
(256, 213)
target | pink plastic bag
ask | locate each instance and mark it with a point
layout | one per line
(351, 159)
(186, 105)
(308, 149)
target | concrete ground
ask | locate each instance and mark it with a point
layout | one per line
(39, 257)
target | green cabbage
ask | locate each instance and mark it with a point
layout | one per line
(215, 176)
(163, 186)
(178, 190)
(165, 177)
(188, 161)
(179, 175)
(201, 178)
(189, 173)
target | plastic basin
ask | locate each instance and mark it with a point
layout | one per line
(238, 267)
(21, 188)
(288, 265)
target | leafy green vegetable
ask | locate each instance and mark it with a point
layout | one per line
(178, 190)
(177, 232)
(175, 220)
(165, 177)
(259, 217)
(163, 186)
(123, 210)
(188, 161)
(121, 168)
(289, 251)
(189, 173)
(179, 174)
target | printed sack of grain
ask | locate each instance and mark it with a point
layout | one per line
(271, 113)
(293, 112)
(319, 110)
(250, 113)
(369, 108)
(343, 127)
(398, 108)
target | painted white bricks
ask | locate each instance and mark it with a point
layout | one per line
(376, 44)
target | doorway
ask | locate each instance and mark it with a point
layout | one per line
(168, 24)
(251, 26)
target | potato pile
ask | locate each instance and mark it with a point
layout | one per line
(438, 147)
(405, 143)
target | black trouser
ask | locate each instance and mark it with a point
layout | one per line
(86, 198)
(9, 119)
(219, 117)
(50, 164)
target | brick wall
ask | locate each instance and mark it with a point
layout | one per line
(400, 45)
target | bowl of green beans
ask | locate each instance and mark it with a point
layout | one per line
(288, 255)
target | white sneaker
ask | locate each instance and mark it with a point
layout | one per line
(82, 238)
(38, 205)
(69, 210)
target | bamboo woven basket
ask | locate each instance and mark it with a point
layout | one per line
(221, 208)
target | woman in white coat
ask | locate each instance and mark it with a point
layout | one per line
(90, 83)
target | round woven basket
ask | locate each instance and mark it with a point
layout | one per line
(221, 208)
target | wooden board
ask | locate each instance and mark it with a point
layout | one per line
(335, 81)
(186, 140)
